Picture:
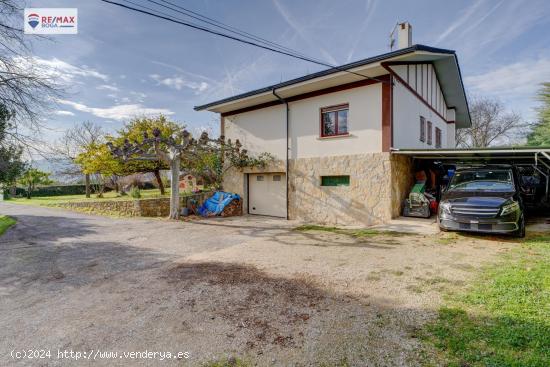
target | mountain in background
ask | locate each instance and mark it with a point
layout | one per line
(62, 171)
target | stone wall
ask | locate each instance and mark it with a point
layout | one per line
(366, 201)
(154, 207)
(378, 184)
(402, 180)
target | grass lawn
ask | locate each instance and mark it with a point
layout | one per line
(53, 200)
(503, 318)
(5, 223)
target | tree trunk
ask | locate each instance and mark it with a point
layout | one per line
(87, 181)
(29, 189)
(175, 188)
(159, 181)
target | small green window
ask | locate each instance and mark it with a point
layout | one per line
(334, 180)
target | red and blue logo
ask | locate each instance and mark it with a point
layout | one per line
(33, 20)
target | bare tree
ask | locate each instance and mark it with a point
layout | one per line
(25, 89)
(491, 125)
(75, 141)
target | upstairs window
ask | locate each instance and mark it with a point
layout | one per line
(437, 137)
(422, 129)
(429, 133)
(334, 120)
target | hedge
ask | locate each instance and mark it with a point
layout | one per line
(58, 190)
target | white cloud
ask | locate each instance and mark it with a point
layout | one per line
(112, 88)
(300, 29)
(178, 83)
(485, 27)
(118, 112)
(518, 78)
(515, 84)
(465, 17)
(64, 113)
(138, 94)
(59, 69)
(370, 9)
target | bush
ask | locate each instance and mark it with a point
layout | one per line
(135, 192)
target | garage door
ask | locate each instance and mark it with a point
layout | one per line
(266, 194)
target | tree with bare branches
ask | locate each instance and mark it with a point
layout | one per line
(25, 89)
(491, 125)
(75, 141)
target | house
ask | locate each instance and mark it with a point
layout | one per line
(332, 133)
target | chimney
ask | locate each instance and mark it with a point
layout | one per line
(404, 35)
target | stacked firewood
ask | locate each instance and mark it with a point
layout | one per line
(232, 209)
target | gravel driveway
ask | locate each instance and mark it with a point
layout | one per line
(249, 287)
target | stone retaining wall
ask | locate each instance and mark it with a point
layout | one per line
(154, 207)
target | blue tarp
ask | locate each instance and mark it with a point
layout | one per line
(215, 204)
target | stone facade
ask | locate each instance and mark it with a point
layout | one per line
(378, 184)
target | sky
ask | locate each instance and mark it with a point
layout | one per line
(122, 64)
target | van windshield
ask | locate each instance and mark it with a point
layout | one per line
(482, 180)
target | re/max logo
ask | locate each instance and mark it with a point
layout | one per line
(55, 21)
(51, 21)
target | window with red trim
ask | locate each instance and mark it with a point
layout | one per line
(334, 120)
(437, 137)
(429, 133)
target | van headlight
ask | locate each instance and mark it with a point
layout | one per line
(509, 208)
(445, 209)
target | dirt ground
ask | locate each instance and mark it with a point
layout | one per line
(248, 287)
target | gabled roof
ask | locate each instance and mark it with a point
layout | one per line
(445, 64)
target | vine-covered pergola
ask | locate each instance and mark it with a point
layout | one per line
(178, 148)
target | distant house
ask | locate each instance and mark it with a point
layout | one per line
(187, 183)
(332, 133)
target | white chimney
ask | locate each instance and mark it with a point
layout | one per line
(404, 35)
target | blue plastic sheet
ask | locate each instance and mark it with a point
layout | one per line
(215, 204)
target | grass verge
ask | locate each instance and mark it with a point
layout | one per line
(5, 223)
(503, 318)
(54, 200)
(359, 233)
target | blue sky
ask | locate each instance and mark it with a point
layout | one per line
(123, 63)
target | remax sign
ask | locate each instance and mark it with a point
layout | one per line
(51, 21)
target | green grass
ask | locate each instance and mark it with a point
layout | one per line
(54, 200)
(5, 223)
(358, 233)
(503, 318)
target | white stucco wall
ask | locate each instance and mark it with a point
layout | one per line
(407, 110)
(261, 130)
(264, 130)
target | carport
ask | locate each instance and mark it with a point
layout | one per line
(529, 160)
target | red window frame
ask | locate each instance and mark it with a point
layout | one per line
(422, 129)
(437, 137)
(429, 133)
(340, 107)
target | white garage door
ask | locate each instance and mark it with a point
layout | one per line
(266, 194)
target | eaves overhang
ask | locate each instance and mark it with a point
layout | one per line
(369, 67)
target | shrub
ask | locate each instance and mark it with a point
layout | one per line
(135, 192)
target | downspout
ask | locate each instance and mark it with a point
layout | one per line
(282, 100)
